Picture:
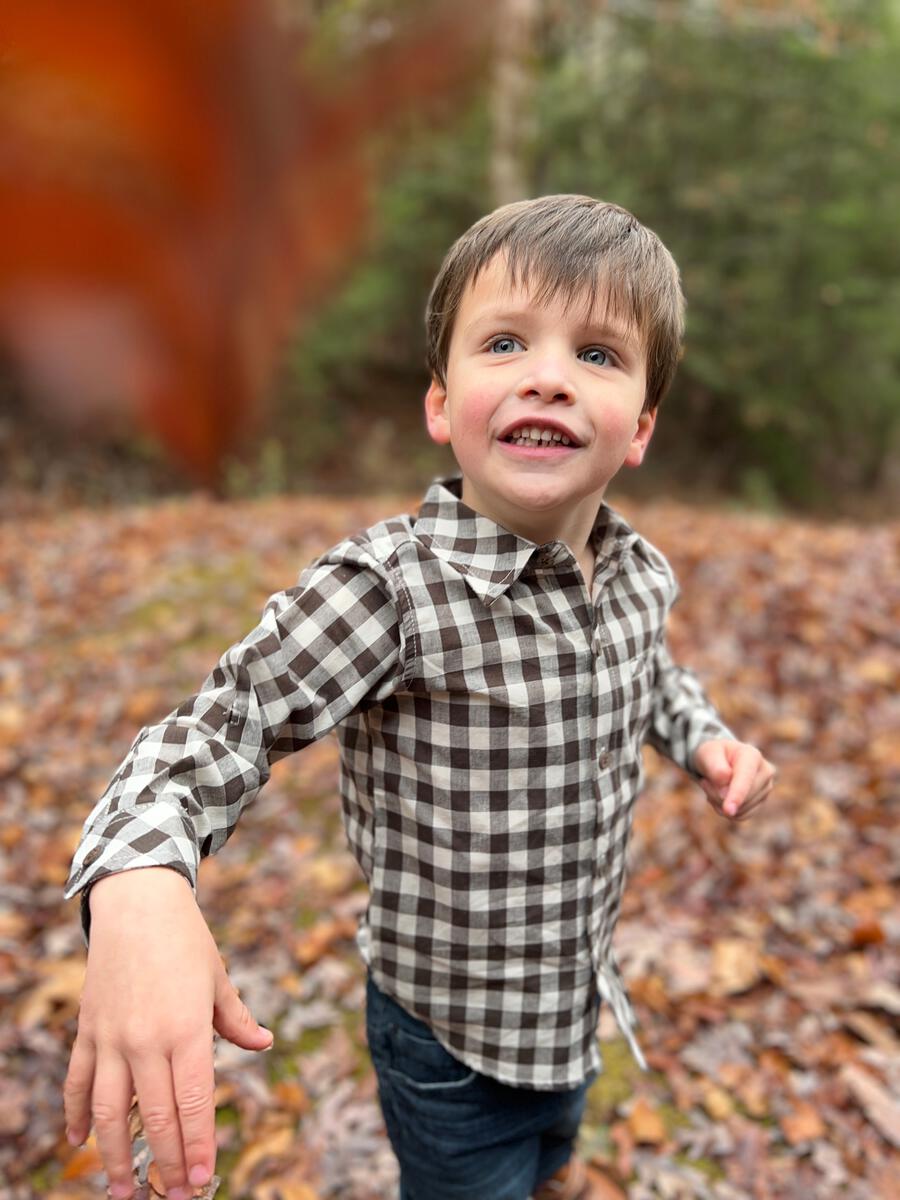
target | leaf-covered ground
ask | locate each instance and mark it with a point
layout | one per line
(762, 957)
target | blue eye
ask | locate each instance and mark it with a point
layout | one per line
(505, 345)
(596, 356)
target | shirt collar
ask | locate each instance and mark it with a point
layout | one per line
(490, 557)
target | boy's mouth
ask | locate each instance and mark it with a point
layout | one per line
(539, 436)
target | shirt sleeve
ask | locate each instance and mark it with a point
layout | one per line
(682, 716)
(329, 646)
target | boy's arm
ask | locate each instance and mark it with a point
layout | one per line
(683, 716)
(155, 986)
(686, 728)
(321, 649)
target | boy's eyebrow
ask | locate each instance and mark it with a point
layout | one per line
(602, 330)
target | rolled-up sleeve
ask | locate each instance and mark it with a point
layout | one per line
(329, 646)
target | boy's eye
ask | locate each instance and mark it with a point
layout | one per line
(596, 356)
(505, 345)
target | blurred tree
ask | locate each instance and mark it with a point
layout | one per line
(176, 184)
(512, 84)
(762, 141)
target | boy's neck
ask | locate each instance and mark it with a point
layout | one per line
(573, 528)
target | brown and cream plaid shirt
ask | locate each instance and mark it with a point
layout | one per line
(490, 716)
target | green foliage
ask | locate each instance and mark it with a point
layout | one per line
(363, 354)
(766, 155)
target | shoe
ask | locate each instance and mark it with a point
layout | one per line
(577, 1181)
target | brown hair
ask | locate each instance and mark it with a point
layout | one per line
(576, 247)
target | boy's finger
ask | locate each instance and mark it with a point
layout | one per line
(233, 1020)
(713, 793)
(193, 1075)
(159, 1116)
(110, 1105)
(77, 1091)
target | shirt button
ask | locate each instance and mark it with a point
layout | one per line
(605, 759)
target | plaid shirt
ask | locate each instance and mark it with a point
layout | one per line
(490, 716)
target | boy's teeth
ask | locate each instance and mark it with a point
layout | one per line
(538, 437)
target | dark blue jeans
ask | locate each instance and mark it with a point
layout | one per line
(459, 1135)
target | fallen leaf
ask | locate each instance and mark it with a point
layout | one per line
(881, 1108)
(13, 1107)
(272, 1144)
(645, 1123)
(735, 966)
(803, 1124)
(85, 1161)
(717, 1102)
(58, 994)
(283, 1187)
(318, 940)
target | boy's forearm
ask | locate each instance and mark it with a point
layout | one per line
(683, 716)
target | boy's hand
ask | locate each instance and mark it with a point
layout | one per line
(736, 777)
(154, 990)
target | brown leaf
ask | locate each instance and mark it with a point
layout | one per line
(58, 994)
(319, 940)
(717, 1102)
(13, 1108)
(292, 1096)
(803, 1124)
(735, 966)
(272, 1144)
(871, 1029)
(283, 1187)
(881, 1108)
(645, 1123)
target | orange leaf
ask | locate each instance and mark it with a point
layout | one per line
(645, 1123)
(802, 1124)
(318, 940)
(85, 1161)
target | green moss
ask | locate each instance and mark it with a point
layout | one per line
(305, 918)
(672, 1117)
(706, 1166)
(226, 1161)
(43, 1178)
(615, 1083)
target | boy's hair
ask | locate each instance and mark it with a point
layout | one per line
(579, 248)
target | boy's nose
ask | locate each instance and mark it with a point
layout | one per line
(546, 381)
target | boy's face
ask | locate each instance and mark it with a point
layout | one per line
(513, 362)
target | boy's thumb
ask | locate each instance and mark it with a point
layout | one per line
(716, 767)
(232, 1019)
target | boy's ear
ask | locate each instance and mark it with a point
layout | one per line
(641, 439)
(436, 419)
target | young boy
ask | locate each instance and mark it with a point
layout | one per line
(492, 667)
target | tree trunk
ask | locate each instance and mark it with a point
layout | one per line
(511, 98)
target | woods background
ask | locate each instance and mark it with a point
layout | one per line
(759, 138)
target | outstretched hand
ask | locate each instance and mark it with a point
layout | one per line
(154, 991)
(736, 777)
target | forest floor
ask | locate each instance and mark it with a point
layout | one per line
(762, 957)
